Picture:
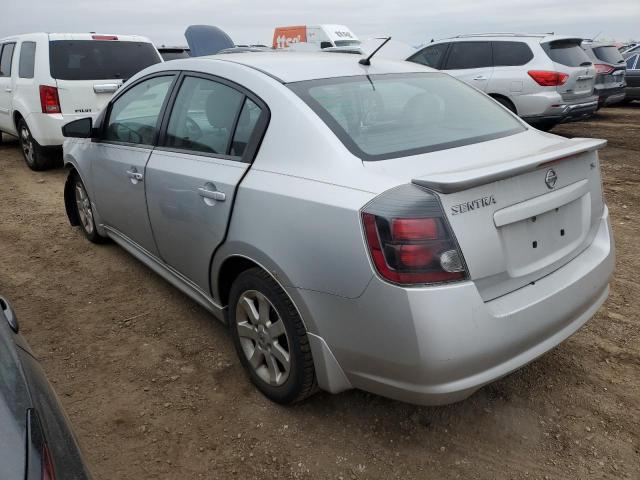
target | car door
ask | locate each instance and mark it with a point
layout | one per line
(207, 144)
(633, 77)
(6, 85)
(471, 62)
(119, 159)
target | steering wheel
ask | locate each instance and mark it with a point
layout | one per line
(193, 129)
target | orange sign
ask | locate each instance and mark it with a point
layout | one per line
(285, 36)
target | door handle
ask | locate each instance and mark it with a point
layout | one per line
(8, 89)
(212, 194)
(132, 174)
(479, 77)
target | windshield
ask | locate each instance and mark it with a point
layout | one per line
(99, 59)
(387, 116)
(567, 52)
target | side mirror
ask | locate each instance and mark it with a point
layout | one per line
(81, 128)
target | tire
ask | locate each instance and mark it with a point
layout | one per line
(84, 211)
(266, 329)
(506, 103)
(35, 155)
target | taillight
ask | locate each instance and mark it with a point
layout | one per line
(47, 464)
(409, 238)
(49, 99)
(104, 37)
(605, 69)
(548, 79)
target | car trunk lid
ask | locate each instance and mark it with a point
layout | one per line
(521, 215)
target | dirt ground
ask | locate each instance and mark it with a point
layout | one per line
(154, 390)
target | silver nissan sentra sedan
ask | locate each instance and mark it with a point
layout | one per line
(383, 227)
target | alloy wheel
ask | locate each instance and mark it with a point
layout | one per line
(27, 144)
(84, 208)
(263, 337)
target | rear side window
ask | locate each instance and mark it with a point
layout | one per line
(469, 55)
(27, 59)
(609, 54)
(134, 115)
(99, 59)
(379, 117)
(431, 56)
(246, 125)
(567, 52)
(6, 58)
(511, 54)
(631, 61)
(204, 116)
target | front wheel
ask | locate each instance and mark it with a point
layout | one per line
(35, 155)
(84, 211)
(270, 338)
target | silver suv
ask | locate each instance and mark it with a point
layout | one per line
(545, 79)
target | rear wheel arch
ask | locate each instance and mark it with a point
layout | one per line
(17, 116)
(506, 101)
(230, 269)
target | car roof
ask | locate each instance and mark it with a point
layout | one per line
(288, 67)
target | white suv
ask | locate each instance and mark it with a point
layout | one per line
(49, 79)
(546, 79)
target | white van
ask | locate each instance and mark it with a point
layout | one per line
(50, 79)
(322, 36)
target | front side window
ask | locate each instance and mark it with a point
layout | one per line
(388, 116)
(469, 55)
(204, 116)
(431, 56)
(6, 58)
(511, 54)
(27, 59)
(99, 59)
(134, 115)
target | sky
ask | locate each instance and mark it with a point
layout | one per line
(252, 21)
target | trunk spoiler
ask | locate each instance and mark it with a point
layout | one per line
(458, 180)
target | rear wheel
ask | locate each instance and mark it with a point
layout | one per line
(35, 155)
(270, 338)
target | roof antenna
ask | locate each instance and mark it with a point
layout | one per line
(367, 61)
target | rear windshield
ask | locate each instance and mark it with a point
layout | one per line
(608, 54)
(387, 116)
(567, 52)
(99, 59)
(174, 54)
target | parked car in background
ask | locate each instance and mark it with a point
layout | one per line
(49, 79)
(173, 53)
(320, 36)
(381, 226)
(545, 79)
(610, 71)
(632, 91)
(35, 434)
(631, 48)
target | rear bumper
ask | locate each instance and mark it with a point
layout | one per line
(47, 128)
(438, 345)
(566, 112)
(610, 96)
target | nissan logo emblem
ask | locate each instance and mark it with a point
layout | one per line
(551, 178)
